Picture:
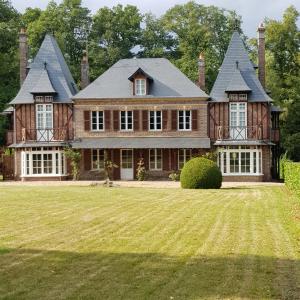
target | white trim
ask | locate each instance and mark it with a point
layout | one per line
(240, 131)
(53, 153)
(155, 120)
(224, 155)
(184, 123)
(155, 159)
(97, 120)
(126, 173)
(138, 92)
(44, 121)
(126, 120)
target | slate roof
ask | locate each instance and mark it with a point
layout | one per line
(237, 52)
(168, 81)
(142, 142)
(44, 85)
(237, 83)
(58, 74)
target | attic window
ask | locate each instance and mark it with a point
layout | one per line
(48, 98)
(238, 97)
(140, 87)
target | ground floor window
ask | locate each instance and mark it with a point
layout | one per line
(184, 155)
(240, 160)
(155, 159)
(97, 159)
(43, 162)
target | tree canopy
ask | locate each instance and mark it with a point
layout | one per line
(180, 35)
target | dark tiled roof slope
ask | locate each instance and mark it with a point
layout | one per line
(237, 52)
(167, 81)
(57, 75)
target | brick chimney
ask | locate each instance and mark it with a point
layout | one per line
(85, 81)
(201, 72)
(23, 51)
(261, 55)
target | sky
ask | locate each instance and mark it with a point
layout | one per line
(253, 12)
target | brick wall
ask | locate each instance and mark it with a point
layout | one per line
(112, 105)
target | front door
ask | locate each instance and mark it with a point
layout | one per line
(238, 121)
(126, 164)
(44, 122)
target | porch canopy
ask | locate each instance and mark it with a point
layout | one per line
(141, 143)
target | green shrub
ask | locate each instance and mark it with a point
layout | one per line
(292, 175)
(200, 173)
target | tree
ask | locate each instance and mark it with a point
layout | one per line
(198, 28)
(115, 31)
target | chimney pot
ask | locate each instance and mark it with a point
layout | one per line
(201, 71)
(261, 55)
(23, 52)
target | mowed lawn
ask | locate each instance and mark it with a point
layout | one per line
(142, 243)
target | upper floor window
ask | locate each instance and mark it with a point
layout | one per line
(184, 155)
(155, 159)
(184, 120)
(155, 120)
(97, 159)
(97, 118)
(39, 98)
(243, 97)
(126, 120)
(140, 87)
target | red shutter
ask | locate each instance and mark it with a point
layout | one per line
(165, 119)
(87, 159)
(87, 120)
(165, 158)
(194, 119)
(136, 120)
(107, 119)
(174, 159)
(145, 120)
(116, 120)
(174, 119)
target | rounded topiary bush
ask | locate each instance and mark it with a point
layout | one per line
(200, 173)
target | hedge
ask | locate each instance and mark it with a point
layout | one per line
(292, 175)
(200, 173)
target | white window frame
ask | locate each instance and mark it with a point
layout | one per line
(97, 120)
(186, 152)
(185, 122)
(140, 87)
(155, 120)
(44, 112)
(238, 131)
(57, 164)
(98, 159)
(224, 161)
(126, 120)
(156, 168)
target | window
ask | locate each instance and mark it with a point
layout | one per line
(48, 98)
(39, 98)
(155, 120)
(140, 87)
(238, 121)
(184, 120)
(184, 155)
(243, 97)
(155, 159)
(238, 97)
(97, 120)
(44, 122)
(126, 120)
(97, 159)
(240, 160)
(43, 162)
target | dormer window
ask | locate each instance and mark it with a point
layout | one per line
(140, 87)
(238, 97)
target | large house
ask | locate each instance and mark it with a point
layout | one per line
(143, 109)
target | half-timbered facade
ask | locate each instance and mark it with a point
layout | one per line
(243, 123)
(42, 114)
(140, 108)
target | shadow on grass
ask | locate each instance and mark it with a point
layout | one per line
(38, 274)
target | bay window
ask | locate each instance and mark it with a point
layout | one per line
(240, 160)
(43, 162)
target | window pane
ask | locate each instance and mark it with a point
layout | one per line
(234, 162)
